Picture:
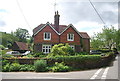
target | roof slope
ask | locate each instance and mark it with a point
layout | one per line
(22, 46)
(84, 35)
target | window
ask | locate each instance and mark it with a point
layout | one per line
(46, 48)
(70, 37)
(47, 36)
(72, 46)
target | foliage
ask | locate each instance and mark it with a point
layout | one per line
(6, 67)
(4, 62)
(26, 67)
(39, 54)
(82, 53)
(28, 56)
(40, 65)
(106, 39)
(60, 67)
(61, 49)
(7, 39)
(78, 61)
(22, 34)
(14, 67)
(2, 47)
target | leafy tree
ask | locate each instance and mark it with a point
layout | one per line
(107, 38)
(7, 39)
(22, 34)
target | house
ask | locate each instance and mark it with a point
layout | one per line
(20, 46)
(47, 35)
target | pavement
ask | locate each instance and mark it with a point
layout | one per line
(110, 72)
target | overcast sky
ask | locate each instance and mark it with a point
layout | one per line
(29, 14)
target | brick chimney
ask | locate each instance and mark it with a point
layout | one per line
(56, 21)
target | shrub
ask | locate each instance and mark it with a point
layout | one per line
(79, 61)
(62, 49)
(2, 47)
(28, 56)
(15, 67)
(38, 54)
(4, 62)
(60, 67)
(6, 67)
(26, 67)
(40, 65)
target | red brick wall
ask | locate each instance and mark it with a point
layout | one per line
(38, 38)
(63, 37)
(86, 45)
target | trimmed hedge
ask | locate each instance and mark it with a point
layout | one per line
(82, 61)
(78, 61)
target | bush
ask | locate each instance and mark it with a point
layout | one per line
(38, 54)
(4, 62)
(60, 67)
(61, 49)
(26, 67)
(28, 56)
(2, 47)
(40, 65)
(15, 67)
(79, 61)
(6, 68)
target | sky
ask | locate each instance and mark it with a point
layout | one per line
(28, 14)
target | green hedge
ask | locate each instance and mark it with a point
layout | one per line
(82, 61)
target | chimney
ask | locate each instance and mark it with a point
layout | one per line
(56, 21)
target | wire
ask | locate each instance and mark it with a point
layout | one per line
(97, 12)
(23, 14)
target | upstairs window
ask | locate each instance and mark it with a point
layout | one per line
(70, 37)
(47, 36)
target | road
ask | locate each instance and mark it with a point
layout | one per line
(110, 72)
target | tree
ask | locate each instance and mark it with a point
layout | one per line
(22, 34)
(107, 38)
(7, 39)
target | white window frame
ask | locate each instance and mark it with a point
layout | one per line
(46, 48)
(72, 46)
(47, 36)
(70, 34)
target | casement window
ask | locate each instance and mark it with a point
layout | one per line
(47, 36)
(46, 48)
(70, 37)
(72, 46)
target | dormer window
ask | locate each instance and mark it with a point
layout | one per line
(70, 37)
(47, 36)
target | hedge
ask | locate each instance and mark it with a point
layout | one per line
(79, 61)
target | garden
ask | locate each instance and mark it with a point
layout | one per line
(61, 59)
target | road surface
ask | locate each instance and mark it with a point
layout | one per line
(110, 72)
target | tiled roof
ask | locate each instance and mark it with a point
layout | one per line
(22, 46)
(84, 35)
(38, 28)
(61, 28)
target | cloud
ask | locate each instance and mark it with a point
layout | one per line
(2, 23)
(80, 14)
(83, 11)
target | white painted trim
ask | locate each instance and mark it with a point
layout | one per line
(44, 27)
(46, 45)
(68, 37)
(44, 36)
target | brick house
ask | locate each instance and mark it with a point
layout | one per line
(46, 35)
